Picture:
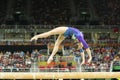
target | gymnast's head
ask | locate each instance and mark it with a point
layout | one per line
(74, 38)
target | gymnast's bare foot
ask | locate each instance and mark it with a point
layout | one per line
(34, 38)
(89, 60)
(49, 60)
(83, 62)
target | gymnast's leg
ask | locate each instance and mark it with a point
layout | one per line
(58, 30)
(56, 47)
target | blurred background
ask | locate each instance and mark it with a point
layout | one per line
(20, 20)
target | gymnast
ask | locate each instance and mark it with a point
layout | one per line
(64, 32)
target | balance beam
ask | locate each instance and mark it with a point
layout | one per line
(58, 75)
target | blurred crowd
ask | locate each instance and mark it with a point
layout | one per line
(108, 11)
(103, 56)
(50, 12)
(60, 12)
(17, 61)
(21, 61)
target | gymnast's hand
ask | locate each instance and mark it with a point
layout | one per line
(49, 60)
(34, 38)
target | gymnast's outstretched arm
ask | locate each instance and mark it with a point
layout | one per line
(80, 46)
(86, 48)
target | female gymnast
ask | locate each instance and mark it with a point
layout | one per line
(63, 33)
